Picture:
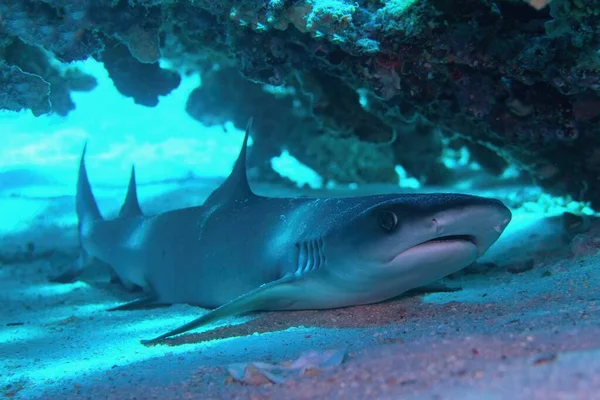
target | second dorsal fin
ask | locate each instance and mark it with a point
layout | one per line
(131, 206)
(236, 186)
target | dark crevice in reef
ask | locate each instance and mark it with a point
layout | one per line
(522, 13)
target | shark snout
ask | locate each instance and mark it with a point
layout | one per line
(482, 223)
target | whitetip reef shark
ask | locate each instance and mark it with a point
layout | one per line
(241, 252)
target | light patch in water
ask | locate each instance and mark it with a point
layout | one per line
(461, 158)
(406, 181)
(363, 98)
(289, 167)
(279, 91)
(511, 172)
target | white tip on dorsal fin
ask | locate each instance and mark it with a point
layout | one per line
(236, 186)
(131, 206)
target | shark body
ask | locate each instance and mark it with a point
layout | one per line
(241, 252)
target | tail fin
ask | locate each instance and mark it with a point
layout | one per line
(85, 203)
(87, 212)
(131, 206)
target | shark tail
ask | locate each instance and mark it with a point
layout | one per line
(87, 213)
(85, 203)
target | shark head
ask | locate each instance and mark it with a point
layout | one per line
(399, 242)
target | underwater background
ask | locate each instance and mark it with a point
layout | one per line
(340, 108)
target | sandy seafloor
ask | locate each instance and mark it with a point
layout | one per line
(524, 324)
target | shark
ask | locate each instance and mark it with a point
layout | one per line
(242, 252)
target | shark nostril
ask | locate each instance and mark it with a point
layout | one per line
(438, 228)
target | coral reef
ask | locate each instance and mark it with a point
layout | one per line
(143, 81)
(31, 81)
(32, 60)
(517, 81)
(21, 90)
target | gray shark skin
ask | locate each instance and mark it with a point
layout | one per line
(241, 252)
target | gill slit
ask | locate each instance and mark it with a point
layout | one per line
(310, 256)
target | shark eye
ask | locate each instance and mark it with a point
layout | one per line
(387, 220)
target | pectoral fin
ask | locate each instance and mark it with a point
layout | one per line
(271, 295)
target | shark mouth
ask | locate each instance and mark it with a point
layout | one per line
(440, 240)
(452, 238)
(439, 245)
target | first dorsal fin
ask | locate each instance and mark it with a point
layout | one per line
(236, 186)
(131, 206)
